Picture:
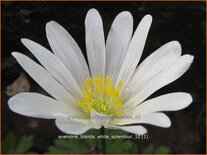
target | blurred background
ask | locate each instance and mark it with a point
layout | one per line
(182, 21)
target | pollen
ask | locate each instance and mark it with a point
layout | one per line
(99, 94)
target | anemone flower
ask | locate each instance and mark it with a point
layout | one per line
(112, 92)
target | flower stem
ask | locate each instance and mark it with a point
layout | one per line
(103, 141)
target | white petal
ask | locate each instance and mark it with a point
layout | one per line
(157, 119)
(67, 50)
(71, 127)
(153, 65)
(168, 102)
(44, 79)
(135, 50)
(54, 66)
(99, 120)
(37, 105)
(95, 43)
(117, 43)
(170, 74)
(137, 129)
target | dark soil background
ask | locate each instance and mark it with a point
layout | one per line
(182, 21)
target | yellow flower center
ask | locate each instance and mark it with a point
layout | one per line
(100, 95)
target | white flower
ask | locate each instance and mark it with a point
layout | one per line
(112, 92)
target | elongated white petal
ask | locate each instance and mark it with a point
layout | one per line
(157, 119)
(153, 65)
(136, 129)
(117, 43)
(135, 50)
(170, 74)
(54, 66)
(95, 43)
(38, 105)
(71, 127)
(99, 120)
(44, 79)
(168, 102)
(67, 50)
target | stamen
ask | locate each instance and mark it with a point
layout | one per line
(100, 95)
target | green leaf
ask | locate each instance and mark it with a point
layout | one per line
(9, 143)
(24, 144)
(13, 146)
(70, 146)
(57, 150)
(92, 132)
(162, 150)
(149, 149)
(62, 143)
(115, 132)
(120, 146)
